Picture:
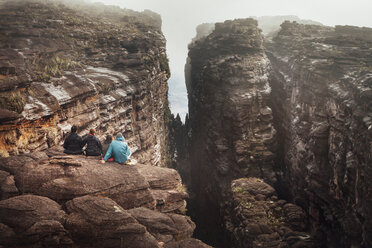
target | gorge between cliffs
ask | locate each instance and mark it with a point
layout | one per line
(276, 150)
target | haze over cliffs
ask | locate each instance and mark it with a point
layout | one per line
(276, 150)
(294, 111)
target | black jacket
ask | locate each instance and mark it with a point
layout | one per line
(94, 146)
(73, 144)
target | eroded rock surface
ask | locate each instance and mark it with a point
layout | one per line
(94, 66)
(255, 217)
(322, 106)
(70, 201)
(295, 112)
(165, 227)
(30, 219)
(101, 222)
(231, 121)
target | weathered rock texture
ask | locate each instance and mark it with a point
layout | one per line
(270, 25)
(74, 201)
(297, 114)
(89, 65)
(322, 92)
(96, 67)
(255, 218)
(231, 122)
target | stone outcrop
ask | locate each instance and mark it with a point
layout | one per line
(65, 63)
(270, 25)
(65, 177)
(231, 121)
(294, 112)
(69, 201)
(101, 222)
(94, 66)
(30, 219)
(255, 218)
(322, 96)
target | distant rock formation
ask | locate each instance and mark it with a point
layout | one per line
(295, 112)
(270, 25)
(322, 95)
(232, 132)
(94, 66)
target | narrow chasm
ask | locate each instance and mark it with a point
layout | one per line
(276, 150)
(279, 135)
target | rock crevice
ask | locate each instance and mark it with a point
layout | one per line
(293, 110)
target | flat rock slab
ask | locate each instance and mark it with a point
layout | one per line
(64, 177)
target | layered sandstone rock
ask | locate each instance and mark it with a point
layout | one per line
(322, 85)
(89, 65)
(64, 177)
(255, 218)
(94, 66)
(69, 201)
(231, 122)
(295, 112)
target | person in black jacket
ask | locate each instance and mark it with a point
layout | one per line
(73, 143)
(94, 146)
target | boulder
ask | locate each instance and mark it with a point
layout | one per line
(101, 222)
(165, 227)
(7, 186)
(21, 212)
(166, 187)
(7, 235)
(32, 221)
(255, 218)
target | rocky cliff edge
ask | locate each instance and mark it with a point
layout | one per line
(57, 200)
(93, 66)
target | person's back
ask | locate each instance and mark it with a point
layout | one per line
(94, 146)
(119, 149)
(73, 143)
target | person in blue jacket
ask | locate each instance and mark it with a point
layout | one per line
(118, 149)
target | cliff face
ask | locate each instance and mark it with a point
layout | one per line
(89, 65)
(295, 112)
(231, 122)
(322, 91)
(96, 67)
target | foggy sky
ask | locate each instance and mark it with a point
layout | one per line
(180, 18)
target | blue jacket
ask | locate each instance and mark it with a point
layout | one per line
(118, 149)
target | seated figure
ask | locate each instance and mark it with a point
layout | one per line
(118, 149)
(73, 143)
(94, 146)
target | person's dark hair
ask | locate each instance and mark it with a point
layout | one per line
(73, 129)
(92, 131)
(108, 139)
